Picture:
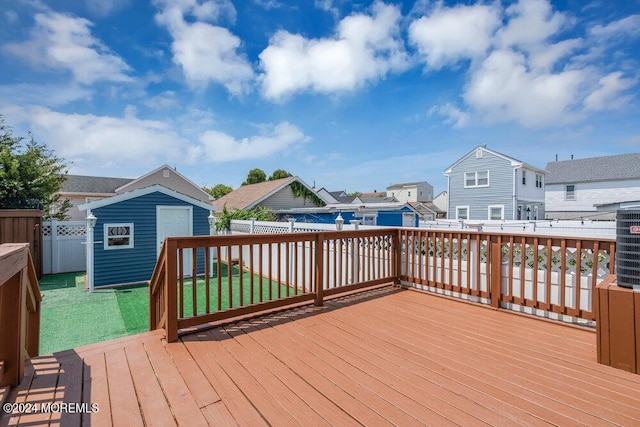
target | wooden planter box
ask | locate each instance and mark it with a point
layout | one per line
(618, 326)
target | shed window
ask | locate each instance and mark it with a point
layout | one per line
(118, 236)
(369, 219)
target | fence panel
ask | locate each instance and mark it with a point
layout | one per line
(64, 246)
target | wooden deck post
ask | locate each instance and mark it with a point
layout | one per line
(495, 260)
(318, 265)
(171, 295)
(397, 256)
(618, 326)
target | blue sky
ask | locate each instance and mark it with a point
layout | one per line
(351, 95)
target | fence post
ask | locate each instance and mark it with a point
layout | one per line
(495, 260)
(252, 226)
(292, 221)
(319, 262)
(55, 256)
(171, 290)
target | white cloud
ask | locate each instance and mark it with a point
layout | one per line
(628, 26)
(364, 49)
(206, 52)
(217, 146)
(104, 8)
(609, 93)
(449, 35)
(531, 23)
(454, 116)
(522, 69)
(504, 89)
(49, 95)
(63, 42)
(101, 141)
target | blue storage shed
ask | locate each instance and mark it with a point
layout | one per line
(389, 214)
(130, 229)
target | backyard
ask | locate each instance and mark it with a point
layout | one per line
(72, 317)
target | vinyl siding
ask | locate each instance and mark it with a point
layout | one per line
(589, 194)
(499, 191)
(529, 192)
(284, 199)
(118, 266)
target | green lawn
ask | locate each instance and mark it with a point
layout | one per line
(72, 317)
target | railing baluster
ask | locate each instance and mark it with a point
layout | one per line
(240, 275)
(229, 277)
(207, 279)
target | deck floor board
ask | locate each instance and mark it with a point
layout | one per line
(388, 356)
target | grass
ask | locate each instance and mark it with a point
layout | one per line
(72, 317)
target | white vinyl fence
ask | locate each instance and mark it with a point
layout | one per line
(63, 246)
(584, 228)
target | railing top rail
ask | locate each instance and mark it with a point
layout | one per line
(222, 240)
(13, 258)
(527, 236)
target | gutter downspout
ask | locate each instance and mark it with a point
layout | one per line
(515, 192)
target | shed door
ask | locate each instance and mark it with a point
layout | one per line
(175, 221)
(408, 220)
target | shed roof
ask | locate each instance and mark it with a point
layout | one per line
(607, 168)
(92, 184)
(141, 192)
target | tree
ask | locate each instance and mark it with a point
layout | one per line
(260, 213)
(255, 176)
(279, 174)
(31, 175)
(218, 190)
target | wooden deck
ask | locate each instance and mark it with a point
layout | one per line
(384, 357)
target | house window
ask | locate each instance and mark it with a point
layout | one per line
(570, 192)
(409, 194)
(118, 236)
(496, 212)
(462, 212)
(524, 177)
(538, 180)
(368, 219)
(476, 179)
(479, 153)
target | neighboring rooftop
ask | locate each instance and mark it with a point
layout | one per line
(405, 184)
(93, 184)
(247, 196)
(607, 168)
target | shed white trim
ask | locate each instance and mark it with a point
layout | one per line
(144, 191)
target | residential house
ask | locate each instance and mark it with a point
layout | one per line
(130, 229)
(390, 214)
(285, 193)
(411, 192)
(441, 201)
(80, 189)
(487, 185)
(593, 187)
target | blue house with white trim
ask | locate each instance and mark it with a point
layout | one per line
(386, 214)
(130, 229)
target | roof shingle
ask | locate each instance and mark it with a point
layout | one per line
(607, 168)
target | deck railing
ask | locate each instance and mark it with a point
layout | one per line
(205, 279)
(19, 311)
(198, 280)
(550, 274)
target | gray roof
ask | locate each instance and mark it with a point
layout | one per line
(406, 184)
(92, 184)
(608, 168)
